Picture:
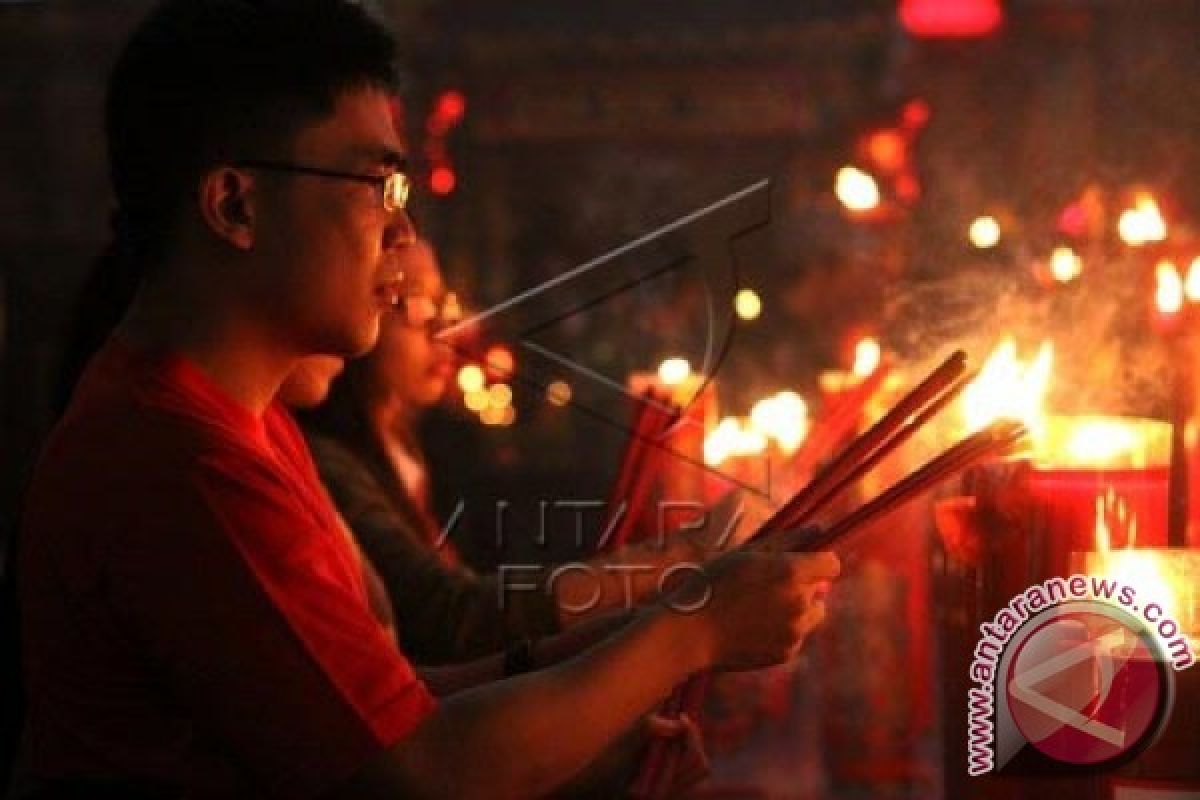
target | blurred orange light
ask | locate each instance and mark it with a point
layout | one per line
(1065, 265)
(1143, 223)
(984, 232)
(674, 371)
(888, 149)
(470, 378)
(867, 355)
(499, 361)
(558, 393)
(1169, 292)
(1191, 284)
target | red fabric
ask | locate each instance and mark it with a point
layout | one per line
(192, 610)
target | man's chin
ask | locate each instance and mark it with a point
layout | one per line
(362, 343)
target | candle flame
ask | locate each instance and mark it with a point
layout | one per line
(1100, 441)
(1169, 288)
(1097, 442)
(674, 371)
(1191, 285)
(732, 438)
(1007, 388)
(1065, 265)
(782, 418)
(867, 355)
(1143, 223)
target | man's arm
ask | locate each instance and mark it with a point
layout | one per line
(691, 534)
(525, 736)
(447, 680)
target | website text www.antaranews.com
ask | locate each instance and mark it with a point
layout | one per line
(1053, 592)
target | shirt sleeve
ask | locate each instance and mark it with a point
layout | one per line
(249, 608)
(443, 614)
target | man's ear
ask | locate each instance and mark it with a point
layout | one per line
(228, 203)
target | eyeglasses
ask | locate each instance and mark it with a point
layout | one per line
(430, 313)
(394, 187)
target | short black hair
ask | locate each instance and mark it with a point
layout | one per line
(204, 81)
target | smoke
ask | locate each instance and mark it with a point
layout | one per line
(1108, 359)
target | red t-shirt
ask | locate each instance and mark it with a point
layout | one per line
(193, 613)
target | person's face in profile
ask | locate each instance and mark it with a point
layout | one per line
(331, 247)
(409, 365)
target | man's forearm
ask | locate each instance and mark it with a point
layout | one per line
(627, 578)
(447, 680)
(525, 736)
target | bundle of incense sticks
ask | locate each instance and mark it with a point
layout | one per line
(836, 423)
(914, 410)
(862, 454)
(653, 416)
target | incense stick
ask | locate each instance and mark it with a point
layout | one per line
(820, 488)
(883, 451)
(998, 439)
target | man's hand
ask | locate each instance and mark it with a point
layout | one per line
(760, 606)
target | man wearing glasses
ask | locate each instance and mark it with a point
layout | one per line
(194, 620)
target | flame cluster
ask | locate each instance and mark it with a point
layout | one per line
(1009, 387)
(780, 419)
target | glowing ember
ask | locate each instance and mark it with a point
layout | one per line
(856, 189)
(1008, 389)
(1169, 289)
(984, 232)
(1065, 265)
(867, 355)
(674, 371)
(1143, 223)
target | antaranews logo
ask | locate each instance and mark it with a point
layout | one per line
(1072, 673)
